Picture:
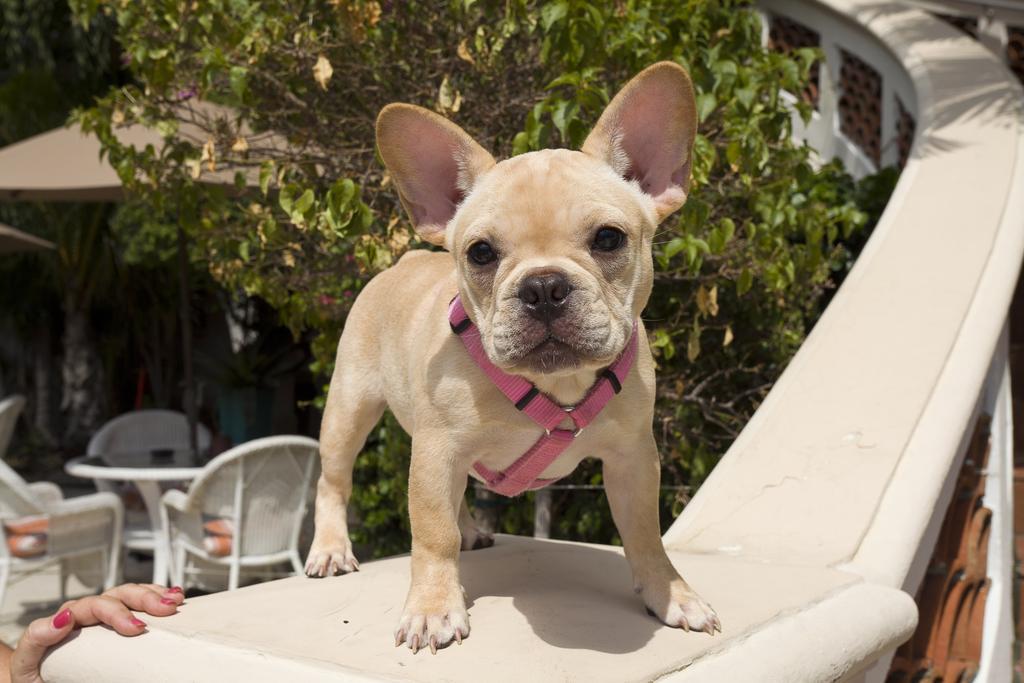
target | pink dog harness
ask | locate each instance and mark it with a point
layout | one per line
(522, 475)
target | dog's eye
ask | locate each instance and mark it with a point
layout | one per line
(482, 253)
(608, 239)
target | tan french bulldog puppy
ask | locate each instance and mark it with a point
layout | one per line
(551, 254)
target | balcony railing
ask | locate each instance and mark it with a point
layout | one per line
(818, 526)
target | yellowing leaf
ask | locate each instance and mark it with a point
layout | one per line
(322, 71)
(241, 145)
(399, 240)
(713, 301)
(209, 155)
(727, 338)
(448, 100)
(373, 13)
(693, 345)
(463, 52)
(117, 117)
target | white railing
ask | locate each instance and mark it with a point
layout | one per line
(850, 462)
(814, 531)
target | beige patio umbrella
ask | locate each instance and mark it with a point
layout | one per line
(12, 239)
(62, 165)
(65, 165)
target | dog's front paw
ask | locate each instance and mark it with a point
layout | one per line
(330, 559)
(679, 606)
(433, 628)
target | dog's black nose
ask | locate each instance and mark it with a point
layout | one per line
(543, 295)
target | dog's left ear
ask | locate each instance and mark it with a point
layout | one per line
(646, 134)
(433, 162)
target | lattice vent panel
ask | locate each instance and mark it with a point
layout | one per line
(786, 35)
(860, 105)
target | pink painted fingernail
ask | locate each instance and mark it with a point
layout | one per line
(169, 601)
(175, 589)
(138, 622)
(62, 619)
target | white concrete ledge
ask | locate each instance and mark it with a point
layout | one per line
(816, 517)
(540, 610)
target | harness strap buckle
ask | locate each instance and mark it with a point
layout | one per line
(576, 432)
(462, 326)
(527, 397)
(613, 379)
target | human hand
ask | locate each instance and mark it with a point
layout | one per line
(110, 608)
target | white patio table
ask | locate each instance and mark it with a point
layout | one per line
(146, 469)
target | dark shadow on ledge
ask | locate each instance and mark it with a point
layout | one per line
(574, 597)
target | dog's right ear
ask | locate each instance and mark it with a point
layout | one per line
(433, 162)
(646, 134)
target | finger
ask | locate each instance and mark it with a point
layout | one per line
(133, 592)
(109, 610)
(40, 635)
(150, 598)
(167, 595)
(174, 592)
(163, 590)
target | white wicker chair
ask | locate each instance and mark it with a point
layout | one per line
(143, 430)
(74, 529)
(259, 490)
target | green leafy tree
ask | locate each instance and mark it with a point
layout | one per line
(741, 271)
